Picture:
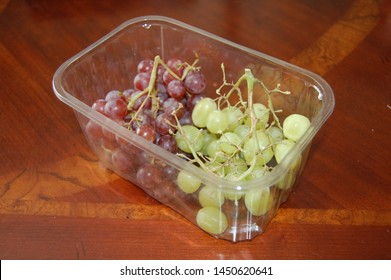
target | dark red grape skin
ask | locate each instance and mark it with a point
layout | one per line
(195, 82)
(165, 123)
(176, 89)
(168, 143)
(116, 109)
(141, 80)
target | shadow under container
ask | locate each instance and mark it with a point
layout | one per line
(111, 63)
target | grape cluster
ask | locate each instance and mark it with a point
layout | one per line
(238, 141)
(163, 96)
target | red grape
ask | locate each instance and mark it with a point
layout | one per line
(195, 82)
(141, 80)
(145, 66)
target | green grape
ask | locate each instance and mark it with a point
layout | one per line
(202, 110)
(275, 134)
(258, 172)
(234, 117)
(216, 168)
(217, 122)
(282, 149)
(229, 143)
(258, 147)
(208, 138)
(215, 152)
(261, 113)
(187, 182)
(295, 126)
(233, 194)
(210, 196)
(237, 166)
(212, 220)
(242, 130)
(191, 137)
(258, 201)
(289, 179)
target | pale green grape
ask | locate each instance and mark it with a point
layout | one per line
(242, 130)
(208, 138)
(212, 220)
(282, 149)
(234, 117)
(202, 110)
(258, 147)
(210, 196)
(261, 113)
(276, 134)
(191, 137)
(216, 122)
(236, 166)
(258, 201)
(187, 182)
(215, 152)
(216, 168)
(295, 126)
(233, 194)
(258, 172)
(229, 142)
(289, 179)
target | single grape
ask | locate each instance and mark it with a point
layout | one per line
(150, 177)
(144, 117)
(191, 137)
(165, 123)
(282, 148)
(141, 80)
(94, 130)
(215, 152)
(145, 65)
(242, 131)
(261, 112)
(208, 138)
(258, 147)
(176, 65)
(294, 126)
(168, 143)
(216, 122)
(176, 89)
(236, 168)
(147, 132)
(258, 172)
(186, 118)
(202, 110)
(116, 109)
(122, 161)
(212, 220)
(210, 196)
(258, 201)
(230, 143)
(187, 182)
(99, 105)
(195, 82)
(275, 134)
(114, 94)
(173, 106)
(234, 117)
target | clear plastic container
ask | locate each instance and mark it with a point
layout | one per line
(111, 63)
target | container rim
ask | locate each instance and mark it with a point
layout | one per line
(323, 88)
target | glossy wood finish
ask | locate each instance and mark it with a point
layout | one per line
(56, 202)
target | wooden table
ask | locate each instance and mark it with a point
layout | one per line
(57, 202)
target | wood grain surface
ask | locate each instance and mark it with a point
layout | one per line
(57, 202)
